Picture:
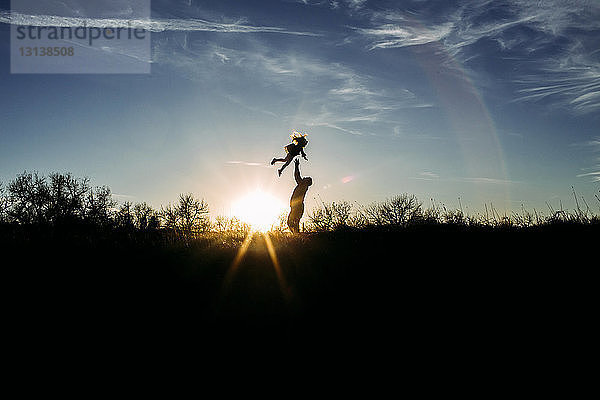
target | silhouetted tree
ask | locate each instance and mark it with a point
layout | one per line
(28, 198)
(99, 206)
(168, 217)
(3, 204)
(187, 218)
(124, 216)
(66, 198)
(358, 220)
(192, 215)
(59, 199)
(145, 217)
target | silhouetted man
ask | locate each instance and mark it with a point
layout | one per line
(297, 200)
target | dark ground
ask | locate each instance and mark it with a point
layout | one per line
(420, 294)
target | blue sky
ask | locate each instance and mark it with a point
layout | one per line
(490, 101)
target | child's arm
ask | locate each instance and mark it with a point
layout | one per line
(303, 154)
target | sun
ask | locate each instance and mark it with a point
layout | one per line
(258, 209)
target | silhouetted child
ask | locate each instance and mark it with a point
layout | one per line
(293, 149)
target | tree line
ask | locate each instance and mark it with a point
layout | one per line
(62, 200)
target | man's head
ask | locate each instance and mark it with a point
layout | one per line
(307, 181)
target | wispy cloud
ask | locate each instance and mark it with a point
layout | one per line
(336, 127)
(426, 176)
(237, 100)
(334, 4)
(123, 197)
(391, 36)
(569, 80)
(548, 43)
(466, 24)
(151, 25)
(429, 174)
(491, 181)
(595, 176)
(334, 95)
(591, 146)
(246, 163)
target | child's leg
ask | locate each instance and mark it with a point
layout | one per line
(273, 161)
(287, 160)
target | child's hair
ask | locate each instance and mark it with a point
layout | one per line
(299, 138)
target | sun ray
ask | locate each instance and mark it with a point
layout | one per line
(236, 262)
(285, 289)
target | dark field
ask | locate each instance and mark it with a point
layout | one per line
(431, 290)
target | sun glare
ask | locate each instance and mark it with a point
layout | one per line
(258, 209)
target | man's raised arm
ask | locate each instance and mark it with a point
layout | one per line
(297, 171)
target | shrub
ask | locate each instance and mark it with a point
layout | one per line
(329, 217)
(397, 211)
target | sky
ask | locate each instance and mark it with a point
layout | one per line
(462, 103)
